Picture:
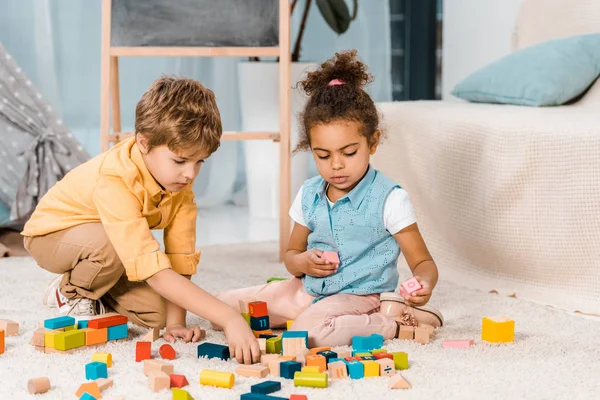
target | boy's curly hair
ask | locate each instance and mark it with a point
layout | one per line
(347, 101)
(179, 113)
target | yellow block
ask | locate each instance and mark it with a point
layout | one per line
(106, 358)
(69, 340)
(49, 338)
(217, 378)
(69, 328)
(378, 351)
(311, 368)
(289, 323)
(371, 368)
(497, 329)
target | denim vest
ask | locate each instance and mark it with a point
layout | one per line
(354, 228)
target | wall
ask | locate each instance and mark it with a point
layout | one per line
(475, 33)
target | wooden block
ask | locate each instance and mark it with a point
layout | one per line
(106, 358)
(91, 387)
(117, 332)
(457, 344)
(59, 322)
(266, 332)
(288, 324)
(217, 378)
(95, 336)
(244, 305)
(386, 367)
(317, 360)
(331, 256)
(10, 328)
(406, 332)
(344, 354)
(1, 341)
(398, 382)
(400, 360)
(266, 358)
(421, 335)
(253, 371)
(167, 352)
(178, 381)
(107, 322)
(69, 340)
(143, 351)
(38, 337)
(315, 350)
(158, 366)
(180, 394)
(311, 368)
(429, 328)
(298, 397)
(258, 309)
(95, 370)
(301, 356)
(274, 367)
(50, 350)
(371, 368)
(260, 323)
(104, 383)
(246, 317)
(41, 349)
(158, 381)
(151, 336)
(410, 286)
(311, 379)
(265, 387)
(291, 346)
(274, 345)
(49, 338)
(38, 385)
(379, 356)
(498, 329)
(337, 370)
(262, 344)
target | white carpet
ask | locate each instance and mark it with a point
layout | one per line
(555, 355)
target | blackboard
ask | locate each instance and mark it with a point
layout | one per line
(197, 23)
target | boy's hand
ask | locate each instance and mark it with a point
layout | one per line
(316, 266)
(173, 332)
(419, 297)
(243, 346)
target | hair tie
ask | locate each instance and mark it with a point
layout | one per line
(335, 82)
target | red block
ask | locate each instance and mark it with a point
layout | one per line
(107, 321)
(168, 352)
(379, 356)
(258, 309)
(353, 359)
(143, 351)
(298, 397)
(178, 381)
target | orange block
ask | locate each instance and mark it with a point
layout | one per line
(258, 309)
(318, 361)
(178, 381)
(107, 322)
(315, 350)
(95, 336)
(258, 333)
(143, 351)
(90, 387)
(1, 341)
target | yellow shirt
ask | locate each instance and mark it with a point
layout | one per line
(116, 189)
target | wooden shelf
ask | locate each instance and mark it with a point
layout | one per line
(194, 51)
(229, 136)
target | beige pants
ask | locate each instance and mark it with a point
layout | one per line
(92, 269)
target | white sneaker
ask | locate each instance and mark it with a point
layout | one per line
(82, 308)
(53, 298)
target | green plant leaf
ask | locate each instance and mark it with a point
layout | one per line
(336, 14)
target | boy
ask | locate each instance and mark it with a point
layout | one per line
(93, 227)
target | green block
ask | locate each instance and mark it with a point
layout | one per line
(246, 317)
(180, 394)
(378, 351)
(365, 354)
(400, 360)
(276, 279)
(70, 328)
(311, 379)
(69, 340)
(274, 345)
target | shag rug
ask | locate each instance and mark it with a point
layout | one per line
(555, 355)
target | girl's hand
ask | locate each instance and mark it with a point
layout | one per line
(243, 346)
(173, 332)
(315, 266)
(419, 297)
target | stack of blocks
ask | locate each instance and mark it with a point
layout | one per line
(160, 373)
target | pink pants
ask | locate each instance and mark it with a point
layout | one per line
(332, 321)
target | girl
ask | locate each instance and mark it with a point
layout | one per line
(353, 210)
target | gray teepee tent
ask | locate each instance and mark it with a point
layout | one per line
(36, 148)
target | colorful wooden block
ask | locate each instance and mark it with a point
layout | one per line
(368, 358)
(274, 367)
(38, 337)
(331, 256)
(258, 396)
(266, 387)
(291, 346)
(213, 350)
(259, 323)
(82, 324)
(258, 309)
(457, 344)
(107, 322)
(379, 356)
(264, 334)
(422, 335)
(337, 369)
(158, 380)
(217, 378)
(158, 366)
(400, 360)
(252, 371)
(318, 361)
(69, 340)
(297, 334)
(143, 351)
(95, 370)
(180, 394)
(262, 345)
(386, 367)
(498, 329)
(301, 356)
(87, 396)
(316, 350)
(59, 322)
(398, 382)
(378, 351)
(266, 358)
(288, 369)
(244, 309)
(105, 358)
(2, 341)
(298, 397)
(311, 379)
(311, 368)
(328, 354)
(355, 358)
(167, 352)
(95, 336)
(406, 332)
(356, 369)
(151, 336)
(117, 332)
(410, 285)
(288, 324)
(246, 317)
(274, 345)
(38, 385)
(104, 383)
(178, 381)
(91, 387)
(371, 368)
(344, 354)
(70, 328)
(361, 354)
(366, 343)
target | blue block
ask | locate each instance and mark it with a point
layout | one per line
(266, 387)
(117, 332)
(289, 368)
(259, 323)
(87, 396)
(59, 322)
(258, 396)
(367, 343)
(296, 334)
(213, 350)
(328, 354)
(336, 359)
(95, 370)
(82, 324)
(356, 369)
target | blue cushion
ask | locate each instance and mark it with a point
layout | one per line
(547, 74)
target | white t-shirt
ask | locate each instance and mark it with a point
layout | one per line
(398, 212)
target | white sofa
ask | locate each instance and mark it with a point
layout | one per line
(508, 197)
